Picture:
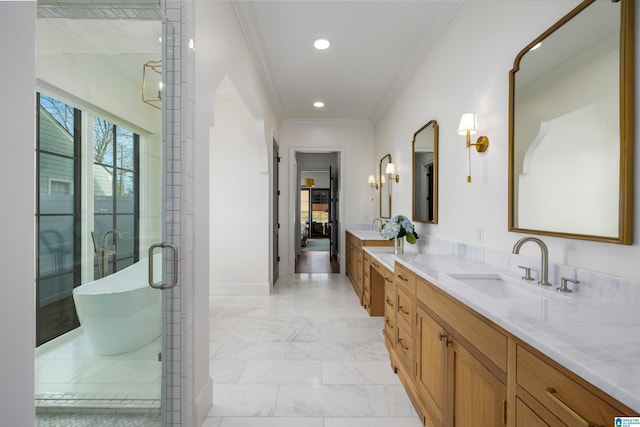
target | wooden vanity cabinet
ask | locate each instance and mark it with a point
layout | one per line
(457, 380)
(461, 369)
(354, 264)
(355, 260)
(378, 277)
(366, 282)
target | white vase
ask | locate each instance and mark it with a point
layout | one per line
(398, 245)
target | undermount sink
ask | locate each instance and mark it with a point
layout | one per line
(494, 285)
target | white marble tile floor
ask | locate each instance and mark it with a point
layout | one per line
(69, 374)
(308, 355)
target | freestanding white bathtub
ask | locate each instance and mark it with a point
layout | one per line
(121, 312)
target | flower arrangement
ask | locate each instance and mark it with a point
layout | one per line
(400, 226)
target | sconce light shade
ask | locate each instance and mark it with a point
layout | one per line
(468, 122)
(391, 172)
(372, 179)
(309, 182)
(391, 169)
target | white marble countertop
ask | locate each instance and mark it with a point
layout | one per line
(596, 339)
(383, 254)
(365, 233)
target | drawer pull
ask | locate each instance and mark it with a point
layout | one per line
(551, 392)
(388, 300)
(444, 337)
(389, 323)
(375, 265)
(402, 344)
(386, 279)
(401, 277)
(402, 310)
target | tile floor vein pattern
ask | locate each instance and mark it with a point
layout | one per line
(308, 355)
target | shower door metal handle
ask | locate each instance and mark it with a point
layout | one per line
(175, 251)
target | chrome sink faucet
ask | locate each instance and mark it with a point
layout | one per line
(374, 222)
(544, 258)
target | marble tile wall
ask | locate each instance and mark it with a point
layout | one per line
(614, 289)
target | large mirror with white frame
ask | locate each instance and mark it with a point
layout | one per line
(571, 127)
(425, 173)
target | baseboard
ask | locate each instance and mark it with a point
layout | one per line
(240, 289)
(204, 402)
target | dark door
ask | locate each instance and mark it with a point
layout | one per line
(276, 200)
(333, 213)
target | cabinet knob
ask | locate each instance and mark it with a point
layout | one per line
(444, 337)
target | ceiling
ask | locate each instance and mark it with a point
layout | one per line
(375, 47)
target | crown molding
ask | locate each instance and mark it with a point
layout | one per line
(247, 21)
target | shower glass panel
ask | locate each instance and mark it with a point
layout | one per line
(102, 172)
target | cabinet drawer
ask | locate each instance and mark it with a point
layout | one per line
(564, 396)
(377, 266)
(389, 326)
(405, 309)
(404, 347)
(477, 331)
(405, 279)
(389, 300)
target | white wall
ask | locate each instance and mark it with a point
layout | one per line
(475, 78)
(239, 200)
(17, 317)
(354, 141)
(236, 129)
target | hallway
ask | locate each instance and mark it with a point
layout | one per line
(316, 262)
(308, 355)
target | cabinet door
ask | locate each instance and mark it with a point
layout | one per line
(478, 397)
(525, 417)
(431, 346)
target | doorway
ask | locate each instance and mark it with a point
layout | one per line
(316, 214)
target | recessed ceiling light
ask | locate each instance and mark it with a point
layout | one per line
(318, 104)
(321, 44)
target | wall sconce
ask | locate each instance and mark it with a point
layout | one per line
(374, 186)
(309, 182)
(152, 79)
(391, 172)
(372, 182)
(469, 126)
